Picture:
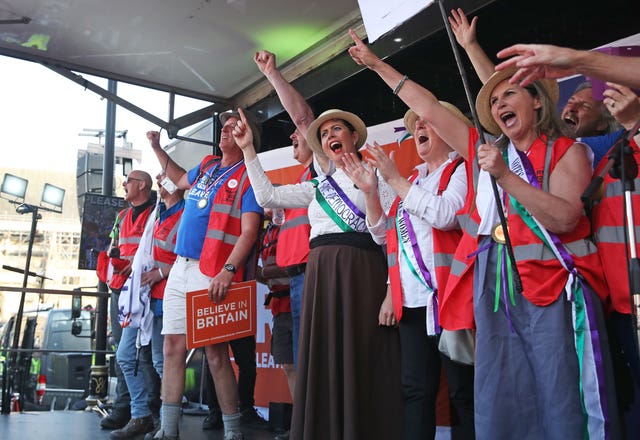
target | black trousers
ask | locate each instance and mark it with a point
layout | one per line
(420, 366)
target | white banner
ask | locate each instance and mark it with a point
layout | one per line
(380, 17)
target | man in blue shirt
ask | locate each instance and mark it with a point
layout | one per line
(215, 185)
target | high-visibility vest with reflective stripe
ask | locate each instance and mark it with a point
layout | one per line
(225, 226)
(164, 243)
(129, 240)
(269, 248)
(543, 277)
(294, 233)
(608, 220)
(444, 244)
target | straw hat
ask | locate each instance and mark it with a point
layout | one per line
(410, 117)
(313, 137)
(483, 107)
(256, 128)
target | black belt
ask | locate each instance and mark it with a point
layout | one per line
(278, 294)
(294, 270)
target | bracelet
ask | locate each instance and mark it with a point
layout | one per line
(400, 84)
(161, 274)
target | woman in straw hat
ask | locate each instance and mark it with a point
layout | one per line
(348, 377)
(541, 358)
(421, 233)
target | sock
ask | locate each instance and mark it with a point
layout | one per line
(231, 422)
(170, 418)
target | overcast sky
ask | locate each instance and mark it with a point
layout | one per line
(42, 114)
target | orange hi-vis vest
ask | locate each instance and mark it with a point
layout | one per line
(225, 225)
(294, 233)
(543, 277)
(270, 243)
(164, 243)
(608, 221)
(129, 240)
(444, 244)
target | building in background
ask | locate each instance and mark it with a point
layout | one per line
(56, 245)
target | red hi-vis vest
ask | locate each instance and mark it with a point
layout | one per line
(294, 233)
(225, 225)
(543, 277)
(444, 244)
(608, 220)
(129, 240)
(164, 243)
(268, 251)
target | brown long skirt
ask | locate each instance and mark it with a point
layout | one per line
(348, 377)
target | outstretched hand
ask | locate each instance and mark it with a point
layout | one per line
(266, 62)
(242, 133)
(363, 177)
(361, 54)
(537, 61)
(464, 32)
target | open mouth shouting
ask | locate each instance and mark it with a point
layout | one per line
(508, 118)
(335, 146)
(571, 120)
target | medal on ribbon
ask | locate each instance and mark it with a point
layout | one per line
(497, 233)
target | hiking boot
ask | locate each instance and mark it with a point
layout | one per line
(251, 419)
(117, 419)
(135, 427)
(160, 435)
(213, 420)
(233, 435)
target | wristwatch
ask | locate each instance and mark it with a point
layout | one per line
(230, 267)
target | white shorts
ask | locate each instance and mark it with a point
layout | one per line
(184, 277)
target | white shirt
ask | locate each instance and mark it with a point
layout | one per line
(426, 210)
(302, 195)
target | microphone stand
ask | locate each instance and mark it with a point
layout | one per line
(625, 168)
(622, 166)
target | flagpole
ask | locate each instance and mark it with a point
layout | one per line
(476, 122)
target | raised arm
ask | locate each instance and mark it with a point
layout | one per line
(293, 102)
(537, 61)
(466, 37)
(175, 172)
(268, 196)
(451, 129)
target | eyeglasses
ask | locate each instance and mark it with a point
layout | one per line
(129, 179)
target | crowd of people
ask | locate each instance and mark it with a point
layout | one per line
(488, 262)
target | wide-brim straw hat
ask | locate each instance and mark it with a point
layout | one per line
(256, 128)
(410, 117)
(313, 137)
(483, 106)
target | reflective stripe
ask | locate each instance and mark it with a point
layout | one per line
(614, 234)
(538, 251)
(129, 240)
(390, 223)
(221, 236)
(614, 188)
(392, 259)
(468, 224)
(297, 221)
(167, 244)
(457, 268)
(441, 259)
